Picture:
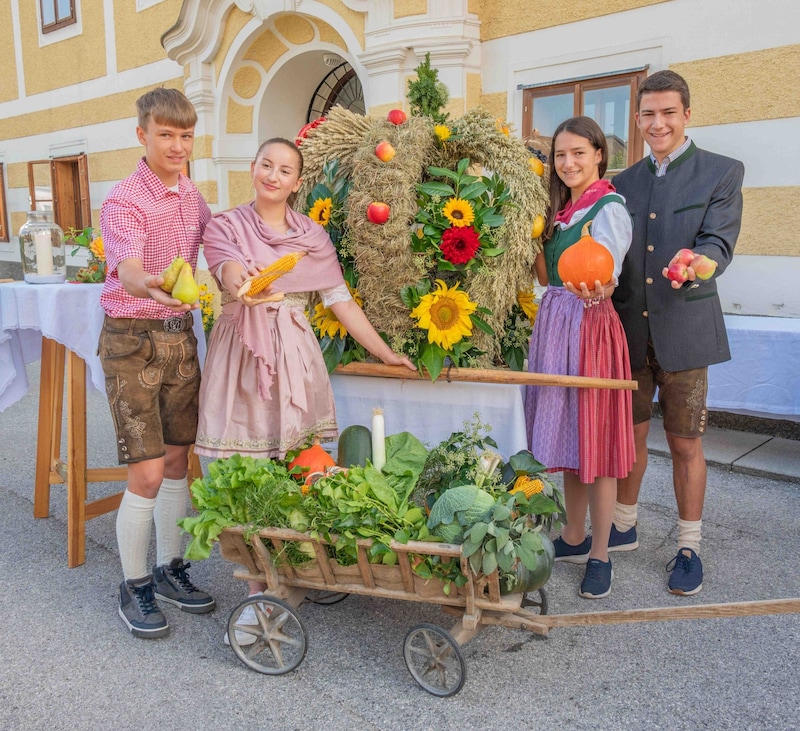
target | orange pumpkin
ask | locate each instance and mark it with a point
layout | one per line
(587, 260)
(313, 459)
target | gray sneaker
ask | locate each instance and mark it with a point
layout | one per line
(172, 585)
(138, 608)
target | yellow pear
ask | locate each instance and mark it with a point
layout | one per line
(170, 274)
(186, 289)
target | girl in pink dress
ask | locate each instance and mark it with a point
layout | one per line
(265, 389)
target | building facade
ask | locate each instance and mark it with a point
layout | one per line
(261, 68)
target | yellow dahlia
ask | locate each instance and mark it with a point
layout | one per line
(459, 212)
(444, 313)
(97, 248)
(442, 131)
(528, 305)
(321, 211)
(327, 323)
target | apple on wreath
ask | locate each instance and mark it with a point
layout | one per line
(378, 212)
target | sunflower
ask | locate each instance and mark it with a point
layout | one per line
(442, 131)
(459, 245)
(445, 314)
(321, 211)
(327, 323)
(459, 212)
(97, 248)
(528, 305)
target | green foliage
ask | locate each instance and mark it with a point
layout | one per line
(426, 94)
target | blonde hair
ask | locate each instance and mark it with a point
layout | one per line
(167, 106)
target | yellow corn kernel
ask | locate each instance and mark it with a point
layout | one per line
(275, 270)
(527, 485)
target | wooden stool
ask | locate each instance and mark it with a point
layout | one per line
(52, 470)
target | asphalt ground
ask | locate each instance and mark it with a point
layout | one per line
(68, 662)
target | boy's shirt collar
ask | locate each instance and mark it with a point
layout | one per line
(661, 169)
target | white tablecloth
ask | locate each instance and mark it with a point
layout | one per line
(67, 313)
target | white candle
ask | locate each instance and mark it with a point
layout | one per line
(44, 253)
(378, 440)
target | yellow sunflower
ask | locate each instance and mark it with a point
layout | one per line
(444, 313)
(97, 248)
(327, 323)
(442, 131)
(459, 212)
(321, 211)
(528, 305)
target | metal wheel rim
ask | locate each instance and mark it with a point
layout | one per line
(434, 660)
(324, 597)
(532, 601)
(280, 644)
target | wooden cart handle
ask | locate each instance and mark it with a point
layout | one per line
(487, 375)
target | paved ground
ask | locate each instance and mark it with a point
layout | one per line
(68, 663)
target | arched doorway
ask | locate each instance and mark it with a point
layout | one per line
(341, 87)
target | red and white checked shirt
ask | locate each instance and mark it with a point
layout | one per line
(143, 219)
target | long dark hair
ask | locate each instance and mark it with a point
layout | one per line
(560, 194)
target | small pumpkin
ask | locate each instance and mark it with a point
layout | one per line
(313, 459)
(587, 260)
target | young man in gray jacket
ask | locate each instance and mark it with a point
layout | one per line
(680, 197)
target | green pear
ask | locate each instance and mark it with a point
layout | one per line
(186, 289)
(170, 274)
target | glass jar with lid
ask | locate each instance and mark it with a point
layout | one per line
(42, 250)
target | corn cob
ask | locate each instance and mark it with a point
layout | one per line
(269, 274)
(527, 485)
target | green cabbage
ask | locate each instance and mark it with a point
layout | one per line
(457, 509)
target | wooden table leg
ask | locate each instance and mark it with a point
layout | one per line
(48, 446)
(76, 460)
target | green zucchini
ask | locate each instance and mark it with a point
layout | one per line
(355, 446)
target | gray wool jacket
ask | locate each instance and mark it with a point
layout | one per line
(696, 205)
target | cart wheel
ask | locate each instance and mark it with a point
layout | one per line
(530, 600)
(320, 596)
(434, 660)
(280, 637)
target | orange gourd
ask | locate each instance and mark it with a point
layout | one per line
(587, 260)
(313, 459)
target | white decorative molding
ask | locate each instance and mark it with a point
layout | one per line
(384, 60)
(197, 32)
(69, 148)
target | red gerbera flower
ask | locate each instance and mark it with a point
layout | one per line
(460, 244)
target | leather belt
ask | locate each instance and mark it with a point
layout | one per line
(174, 324)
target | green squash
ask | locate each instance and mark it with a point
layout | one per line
(355, 446)
(526, 580)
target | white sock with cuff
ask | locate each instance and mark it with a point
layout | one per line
(625, 516)
(134, 522)
(171, 506)
(689, 534)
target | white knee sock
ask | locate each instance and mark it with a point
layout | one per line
(171, 506)
(689, 534)
(134, 520)
(625, 516)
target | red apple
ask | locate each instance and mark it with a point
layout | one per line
(677, 272)
(378, 212)
(384, 151)
(684, 256)
(396, 116)
(703, 267)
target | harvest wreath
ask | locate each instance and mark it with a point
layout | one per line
(434, 227)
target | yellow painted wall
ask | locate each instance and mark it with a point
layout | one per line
(770, 221)
(240, 187)
(92, 111)
(404, 8)
(239, 119)
(295, 29)
(8, 78)
(353, 18)
(66, 62)
(138, 34)
(265, 50)
(234, 22)
(496, 104)
(744, 87)
(500, 18)
(115, 164)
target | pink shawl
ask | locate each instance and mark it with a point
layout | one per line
(241, 235)
(588, 198)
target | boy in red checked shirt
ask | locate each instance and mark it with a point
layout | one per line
(149, 355)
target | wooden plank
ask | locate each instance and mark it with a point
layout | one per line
(102, 506)
(48, 398)
(486, 375)
(107, 474)
(76, 460)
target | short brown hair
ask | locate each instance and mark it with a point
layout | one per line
(166, 106)
(665, 80)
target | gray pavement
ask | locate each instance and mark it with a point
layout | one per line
(68, 662)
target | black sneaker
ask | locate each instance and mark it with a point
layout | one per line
(687, 573)
(572, 554)
(623, 540)
(138, 608)
(597, 581)
(172, 585)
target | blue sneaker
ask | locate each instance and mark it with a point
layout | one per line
(687, 573)
(623, 540)
(597, 581)
(572, 554)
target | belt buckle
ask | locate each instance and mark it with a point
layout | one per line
(174, 324)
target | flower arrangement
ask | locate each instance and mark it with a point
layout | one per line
(207, 308)
(89, 238)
